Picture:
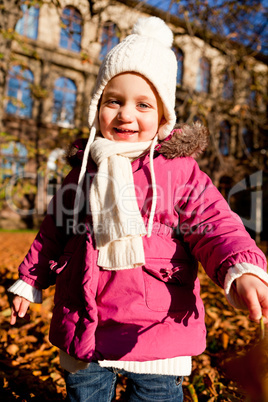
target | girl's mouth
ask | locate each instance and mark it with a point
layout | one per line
(124, 133)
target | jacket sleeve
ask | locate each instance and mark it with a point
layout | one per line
(216, 235)
(54, 232)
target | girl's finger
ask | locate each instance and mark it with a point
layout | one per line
(23, 307)
(19, 309)
(13, 317)
(254, 307)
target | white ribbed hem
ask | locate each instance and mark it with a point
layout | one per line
(180, 366)
(235, 272)
(122, 254)
(27, 291)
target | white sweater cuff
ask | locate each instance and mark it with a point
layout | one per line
(27, 291)
(235, 272)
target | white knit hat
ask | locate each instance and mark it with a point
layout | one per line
(146, 51)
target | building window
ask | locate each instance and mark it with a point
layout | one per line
(179, 55)
(28, 24)
(55, 169)
(20, 101)
(13, 157)
(225, 135)
(247, 139)
(110, 37)
(203, 76)
(71, 29)
(228, 86)
(252, 97)
(64, 102)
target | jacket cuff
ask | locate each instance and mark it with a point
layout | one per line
(27, 291)
(235, 272)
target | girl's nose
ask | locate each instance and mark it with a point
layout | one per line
(125, 114)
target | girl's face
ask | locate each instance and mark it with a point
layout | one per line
(130, 109)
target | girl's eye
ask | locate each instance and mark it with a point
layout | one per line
(143, 105)
(113, 102)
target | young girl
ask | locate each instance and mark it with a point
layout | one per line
(123, 236)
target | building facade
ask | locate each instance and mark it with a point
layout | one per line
(55, 56)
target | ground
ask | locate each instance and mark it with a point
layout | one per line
(29, 364)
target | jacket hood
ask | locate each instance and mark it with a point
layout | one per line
(184, 140)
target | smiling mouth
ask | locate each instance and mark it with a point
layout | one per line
(123, 131)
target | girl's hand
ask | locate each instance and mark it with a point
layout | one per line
(19, 308)
(254, 293)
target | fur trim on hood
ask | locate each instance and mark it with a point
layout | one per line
(184, 140)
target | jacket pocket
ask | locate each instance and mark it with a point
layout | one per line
(169, 284)
(165, 296)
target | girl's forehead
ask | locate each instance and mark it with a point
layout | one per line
(132, 81)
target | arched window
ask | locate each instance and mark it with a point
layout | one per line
(225, 135)
(71, 29)
(13, 158)
(19, 92)
(179, 55)
(203, 76)
(110, 37)
(28, 24)
(64, 102)
(228, 86)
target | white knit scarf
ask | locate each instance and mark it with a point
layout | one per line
(117, 223)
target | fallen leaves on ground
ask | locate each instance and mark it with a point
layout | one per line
(29, 364)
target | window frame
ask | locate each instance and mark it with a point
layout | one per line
(30, 16)
(111, 39)
(21, 92)
(15, 159)
(225, 137)
(67, 33)
(203, 80)
(68, 88)
(180, 64)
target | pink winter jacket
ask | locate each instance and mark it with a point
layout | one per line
(153, 311)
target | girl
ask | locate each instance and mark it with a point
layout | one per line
(125, 232)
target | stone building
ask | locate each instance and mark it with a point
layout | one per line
(56, 53)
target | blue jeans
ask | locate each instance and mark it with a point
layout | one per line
(98, 384)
